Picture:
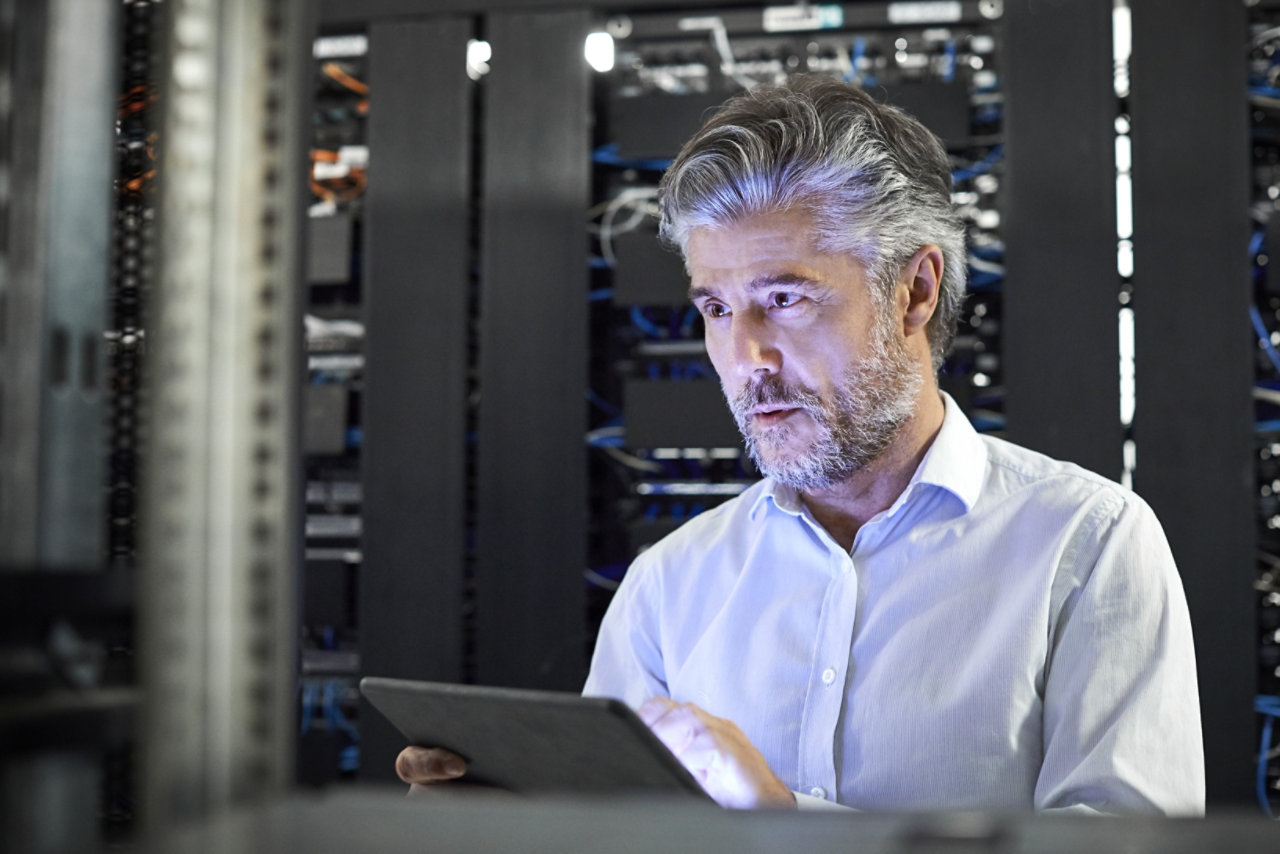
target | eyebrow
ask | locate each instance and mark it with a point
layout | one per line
(763, 283)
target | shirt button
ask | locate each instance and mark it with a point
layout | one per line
(818, 792)
(828, 676)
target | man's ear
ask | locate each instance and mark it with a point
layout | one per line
(920, 282)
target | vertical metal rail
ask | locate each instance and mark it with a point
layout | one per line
(1061, 341)
(417, 282)
(1194, 350)
(531, 465)
(219, 545)
(54, 262)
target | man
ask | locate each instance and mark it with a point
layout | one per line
(903, 614)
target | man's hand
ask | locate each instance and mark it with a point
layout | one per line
(424, 766)
(718, 755)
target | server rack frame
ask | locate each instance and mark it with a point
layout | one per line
(1194, 360)
(416, 297)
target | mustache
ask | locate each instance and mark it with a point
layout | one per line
(773, 391)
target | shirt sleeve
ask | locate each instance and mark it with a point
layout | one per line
(627, 663)
(1121, 704)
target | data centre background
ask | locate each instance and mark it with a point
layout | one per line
(496, 389)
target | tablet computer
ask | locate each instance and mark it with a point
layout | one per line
(534, 742)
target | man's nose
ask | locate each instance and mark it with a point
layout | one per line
(755, 349)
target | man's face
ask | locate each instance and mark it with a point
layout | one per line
(817, 374)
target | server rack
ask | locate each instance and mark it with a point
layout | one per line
(1060, 395)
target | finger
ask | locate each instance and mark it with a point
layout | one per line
(428, 765)
(678, 727)
(654, 708)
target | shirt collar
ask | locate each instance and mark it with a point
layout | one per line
(956, 462)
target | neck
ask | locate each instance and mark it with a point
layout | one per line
(844, 507)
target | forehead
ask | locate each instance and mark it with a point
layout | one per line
(772, 244)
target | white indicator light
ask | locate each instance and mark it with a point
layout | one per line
(599, 51)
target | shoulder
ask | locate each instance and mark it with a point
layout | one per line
(1075, 518)
(1045, 483)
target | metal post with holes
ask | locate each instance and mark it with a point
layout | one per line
(219, 542)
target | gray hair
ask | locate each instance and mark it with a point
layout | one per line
(876, 182)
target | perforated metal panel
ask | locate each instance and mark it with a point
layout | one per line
(60, 74)
(218, 535)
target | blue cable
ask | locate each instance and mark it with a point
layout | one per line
(643, 323)
(602, 404)
(1264, 338)
(1263, 749)
(1269, 706)
(306, 708)
(949, 68)
(983, 165)
(859, 50)
(985, 281)
(335, 715)
(1255, 243)
(690, 318)
(608, 155)
(987, 253)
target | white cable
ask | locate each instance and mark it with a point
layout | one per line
(1265, 36)
(983, 266)
(599, 580)
(641, 201)
(630, 460)
(719, 40)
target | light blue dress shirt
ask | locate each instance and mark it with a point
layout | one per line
(1010, 634)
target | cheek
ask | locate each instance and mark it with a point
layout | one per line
(718, 353)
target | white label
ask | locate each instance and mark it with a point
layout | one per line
(785, 19)
(356, 156)
(929, 12)
(709, 22)
(332, 47)
(323, 171)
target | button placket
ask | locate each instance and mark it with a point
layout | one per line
(818, 773)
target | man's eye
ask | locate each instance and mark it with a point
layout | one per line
(714, 309)
(785, 300)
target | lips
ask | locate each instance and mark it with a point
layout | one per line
(771, 414)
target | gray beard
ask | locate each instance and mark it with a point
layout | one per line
(872, 402)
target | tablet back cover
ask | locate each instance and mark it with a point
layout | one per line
(534, 741)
